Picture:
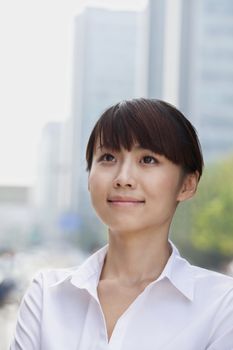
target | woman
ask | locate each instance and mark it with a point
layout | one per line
(143, 159)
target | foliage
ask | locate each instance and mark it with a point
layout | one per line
(204, 228)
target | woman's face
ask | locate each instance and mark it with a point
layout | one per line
(135, 190)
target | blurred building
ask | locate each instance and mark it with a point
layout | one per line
(206, 72)
(110, 64)
(17, 217)
(51, 190)
(164, 18)
(156, 48)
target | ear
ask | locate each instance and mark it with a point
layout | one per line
(189, 187)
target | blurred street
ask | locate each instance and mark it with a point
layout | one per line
(7, 322)
(16, 272)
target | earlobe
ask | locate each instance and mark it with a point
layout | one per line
(189, 187)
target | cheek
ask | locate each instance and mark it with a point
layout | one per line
(173, 186)
(165, 187)
(92, 184)
(96, 187)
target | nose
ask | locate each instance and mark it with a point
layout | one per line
(125, 177)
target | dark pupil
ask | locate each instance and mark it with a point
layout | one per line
(147, 159)
(109, 157)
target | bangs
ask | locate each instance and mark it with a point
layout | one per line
(124, 129)
(151, 124)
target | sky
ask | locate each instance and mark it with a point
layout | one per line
(36, 40)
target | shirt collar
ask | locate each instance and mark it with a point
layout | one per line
(87, 275)
(177, 270)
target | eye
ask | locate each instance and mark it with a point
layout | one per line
(149, 160)
(107, 157)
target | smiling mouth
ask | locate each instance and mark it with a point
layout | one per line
(125, 202)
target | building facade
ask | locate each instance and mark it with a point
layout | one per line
(206, 73)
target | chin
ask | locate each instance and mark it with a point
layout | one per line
(123, 229)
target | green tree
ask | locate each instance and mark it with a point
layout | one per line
(204, 227)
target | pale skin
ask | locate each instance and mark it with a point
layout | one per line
(135, 193)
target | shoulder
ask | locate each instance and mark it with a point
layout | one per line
(203, 275)
(214, 296)
(203, 282)
(212, 284)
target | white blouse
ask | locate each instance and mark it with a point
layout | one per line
(186, 308)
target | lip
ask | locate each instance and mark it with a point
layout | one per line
(124, 200)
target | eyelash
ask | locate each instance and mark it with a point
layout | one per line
(155, 161)
(103, 158)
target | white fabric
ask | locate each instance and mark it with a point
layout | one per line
(186, 308)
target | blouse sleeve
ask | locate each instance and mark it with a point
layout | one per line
(27, 331)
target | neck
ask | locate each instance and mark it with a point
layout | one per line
(133, 260)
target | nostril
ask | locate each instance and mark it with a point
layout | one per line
(118, 184)
(126, 183)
